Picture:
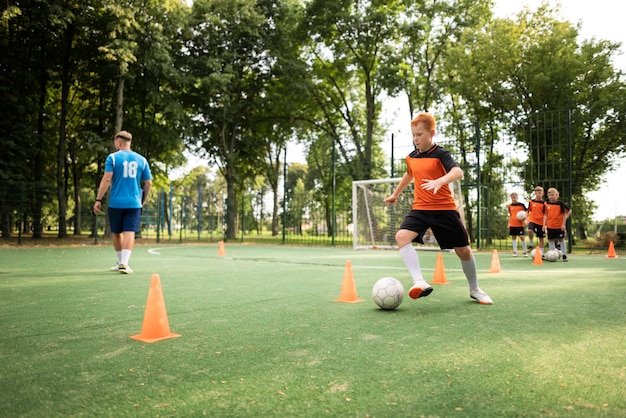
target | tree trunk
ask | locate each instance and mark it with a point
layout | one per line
(119, 108)
(78, 230)
(231, 206)
(66, 82)
(38, 160)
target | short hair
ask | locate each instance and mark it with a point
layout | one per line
(124, 135)
(425, 118)
(552, 189)
(513, 194)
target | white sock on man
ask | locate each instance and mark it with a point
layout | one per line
(119, 257)
(125, 257)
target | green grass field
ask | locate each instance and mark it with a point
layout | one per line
(262, 336)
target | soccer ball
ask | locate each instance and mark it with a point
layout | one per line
(552, 255)
(388, 293)
(521, 215)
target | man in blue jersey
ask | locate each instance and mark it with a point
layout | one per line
(124, 173)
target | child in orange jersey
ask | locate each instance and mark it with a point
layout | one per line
(554, 220)
(534, 218)
(516, 226)
(431, 168)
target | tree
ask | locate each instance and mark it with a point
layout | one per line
(229, 66)
(152, 109)
(538, 64)
(23, 84)
(428, 31)
(347, 44)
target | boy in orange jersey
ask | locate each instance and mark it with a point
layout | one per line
(534, 218)
(516, 226)
(554, 220)
(432, 168)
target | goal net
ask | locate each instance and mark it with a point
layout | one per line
(374, 224)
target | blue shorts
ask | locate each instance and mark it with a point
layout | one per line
(122, 220)
(446, 225)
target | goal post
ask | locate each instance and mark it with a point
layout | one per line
(374, 224)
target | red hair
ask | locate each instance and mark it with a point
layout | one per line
(425, 118)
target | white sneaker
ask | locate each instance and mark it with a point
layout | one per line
(514, 254)
(480, 296)
(125, 269)
(115, 268)
(420, 289)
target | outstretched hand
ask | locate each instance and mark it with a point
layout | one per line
(433, 185)
(390, 200)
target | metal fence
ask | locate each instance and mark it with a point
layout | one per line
(185, 216)
(494, 167)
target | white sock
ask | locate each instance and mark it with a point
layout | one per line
(412, 262)
(125, 257)
(469, 268)
(514, 245)
(524, 246)
(119, 256)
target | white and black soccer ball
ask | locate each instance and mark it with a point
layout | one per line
(552, 255)
(521, 215)
(388, 293)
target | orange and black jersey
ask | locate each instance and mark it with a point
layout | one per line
(430, 165)
(513, 209)
(536, 210)
(555, 214)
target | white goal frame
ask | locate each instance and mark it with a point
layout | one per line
(374, 224)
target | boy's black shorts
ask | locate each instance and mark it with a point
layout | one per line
(537, 229)
(555, 233)
(445, 224)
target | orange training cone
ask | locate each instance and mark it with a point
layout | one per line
(221, 252)
(155, 326)
(440, 272)
(537, 260)
(348, 287)
(495, 263)
(611, 253)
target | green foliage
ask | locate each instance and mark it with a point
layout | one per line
(532, 70)
(234, 81)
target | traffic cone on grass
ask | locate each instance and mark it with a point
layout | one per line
(611, 253)
(348, 287)
(155, 326)
(440, 272)
(221, 252)
(537, 260)
(495, 263)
